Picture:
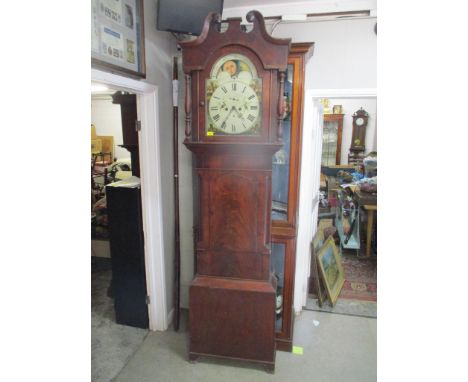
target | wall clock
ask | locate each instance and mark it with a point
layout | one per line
(358, 140)
(234, 109)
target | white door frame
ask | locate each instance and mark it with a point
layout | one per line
(308, 195)
(149, 148)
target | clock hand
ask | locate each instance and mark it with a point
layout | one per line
(239, 114)
(228, 114)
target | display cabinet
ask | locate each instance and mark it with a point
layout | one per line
(285, 194)
(332, 133)
(127, 254)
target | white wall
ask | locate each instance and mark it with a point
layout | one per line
(107, 119)
(345, 52)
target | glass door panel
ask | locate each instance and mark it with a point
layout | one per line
(330, 141)
(281, 159)
(278, 253)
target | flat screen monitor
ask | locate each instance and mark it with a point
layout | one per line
(182, 16)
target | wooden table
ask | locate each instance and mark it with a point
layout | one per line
(369, 203)
(370, 221)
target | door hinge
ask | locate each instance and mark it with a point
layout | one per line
(148, 301)
(137, 125)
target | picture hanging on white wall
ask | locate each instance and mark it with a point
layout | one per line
(117, 37)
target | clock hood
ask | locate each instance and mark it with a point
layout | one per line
(211, 40)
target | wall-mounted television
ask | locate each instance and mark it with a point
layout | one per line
(182, 16)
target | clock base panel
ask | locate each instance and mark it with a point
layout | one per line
(233, 319)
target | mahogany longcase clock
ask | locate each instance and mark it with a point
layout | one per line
(234, 109)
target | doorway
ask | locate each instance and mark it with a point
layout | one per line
(310, 183)
(149, 156)
(119, 315)
(346, 202)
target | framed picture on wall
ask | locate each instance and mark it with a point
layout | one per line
(117, 37)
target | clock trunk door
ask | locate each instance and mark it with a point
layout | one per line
(235, 214)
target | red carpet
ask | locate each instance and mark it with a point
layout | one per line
(360, 278)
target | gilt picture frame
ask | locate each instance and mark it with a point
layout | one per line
(117, 37)
(337, 109)
(331, 270)
(315, 245)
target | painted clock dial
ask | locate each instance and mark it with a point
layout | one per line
(233, 97)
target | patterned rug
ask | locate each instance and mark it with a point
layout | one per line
(360, 278)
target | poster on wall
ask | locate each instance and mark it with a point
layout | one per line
(112, 43)
(117, 37)
(111, 9)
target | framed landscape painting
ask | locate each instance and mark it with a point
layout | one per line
(331, 270)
